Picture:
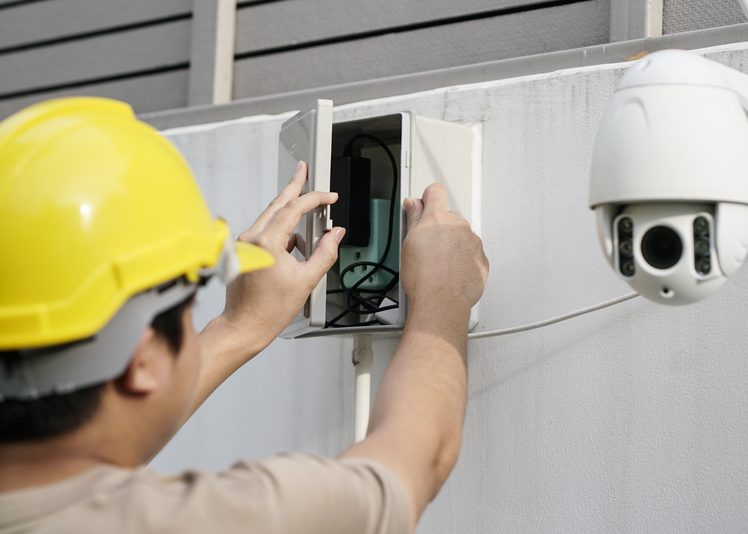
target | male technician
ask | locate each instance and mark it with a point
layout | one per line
(104, 240)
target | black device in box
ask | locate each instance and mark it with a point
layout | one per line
(350, 177)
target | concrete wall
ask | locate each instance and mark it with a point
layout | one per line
(632, 419)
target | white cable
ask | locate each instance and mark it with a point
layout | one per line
(363, 356)
(554, 320)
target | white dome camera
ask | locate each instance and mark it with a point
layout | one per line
(669, 182)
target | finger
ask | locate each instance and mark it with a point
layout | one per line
(288, 217)
(326, 254)
(290, 192)
(413, 210)
(296, 185)
(248, 235)
(435, 199)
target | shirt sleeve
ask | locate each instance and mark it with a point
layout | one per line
(312, 494)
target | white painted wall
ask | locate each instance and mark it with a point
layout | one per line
(633, 419)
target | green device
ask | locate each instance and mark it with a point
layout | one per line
(380, 225)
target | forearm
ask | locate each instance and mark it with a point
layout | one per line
(423, 392)
(416, 423)
(224, 348)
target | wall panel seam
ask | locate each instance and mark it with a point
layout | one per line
(91, 81)
(97, 33)
(499, 12)
(250, 3)
(17, 3)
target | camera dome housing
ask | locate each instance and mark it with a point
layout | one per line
(673, 148)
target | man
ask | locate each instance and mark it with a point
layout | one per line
(105, 240)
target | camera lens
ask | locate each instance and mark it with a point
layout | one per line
(661, 247)
(626, 247)
(625, 225)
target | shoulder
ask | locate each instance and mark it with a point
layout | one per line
(311, 493)
(284, 493)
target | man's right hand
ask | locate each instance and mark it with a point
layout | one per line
(415, 426)
(443, 263)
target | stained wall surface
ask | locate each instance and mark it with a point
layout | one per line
(632, 419)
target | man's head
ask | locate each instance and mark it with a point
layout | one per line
(55, 415)
(109, 238)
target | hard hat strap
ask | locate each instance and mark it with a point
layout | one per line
(227, 267)
(66, 368)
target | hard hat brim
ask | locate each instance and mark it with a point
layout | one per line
(252, 258)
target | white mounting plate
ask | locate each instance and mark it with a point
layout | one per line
(431, 151)
(308, 137)
(449, 154)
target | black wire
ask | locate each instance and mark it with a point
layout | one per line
(370, 304)
(347, 152)
(377, 266)
(367, 306)
(367, 323)
(359, 305)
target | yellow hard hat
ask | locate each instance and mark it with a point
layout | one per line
(95, 207)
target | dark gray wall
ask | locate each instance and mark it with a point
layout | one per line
(139, 50)
(295, 44)
(689, 15)
(134, 50)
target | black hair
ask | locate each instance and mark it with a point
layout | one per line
(54, 415)
(168, 324)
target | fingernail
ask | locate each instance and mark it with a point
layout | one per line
(339, 234)
(299, 165)
(408, 203)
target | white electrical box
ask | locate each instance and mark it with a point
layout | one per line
(404, 153)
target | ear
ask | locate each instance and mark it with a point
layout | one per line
(146, 372)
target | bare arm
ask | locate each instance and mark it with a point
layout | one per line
(416, 423)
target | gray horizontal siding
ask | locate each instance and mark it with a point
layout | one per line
(390, 54)
(293, 22)
(95, 59)
(465, 74)
(145, 93)
(690, 15)
(139, 50)
(39, 22)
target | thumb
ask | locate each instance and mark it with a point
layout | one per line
(414, 210)
(325, 255)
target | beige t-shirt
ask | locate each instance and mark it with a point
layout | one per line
(291, 493)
